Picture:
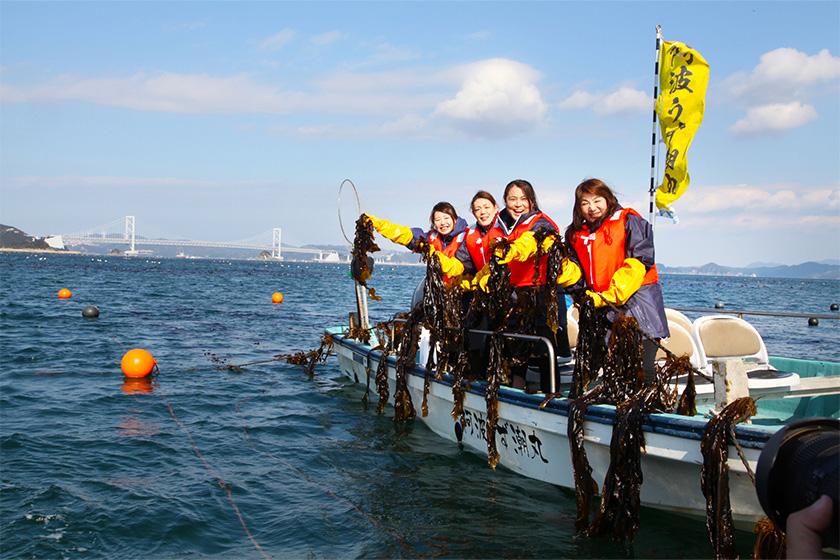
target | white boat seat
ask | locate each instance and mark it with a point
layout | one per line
(679, 318)
(572, 331)
(682, 344)
(723, 337)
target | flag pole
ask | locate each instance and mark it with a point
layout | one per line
(652, 190)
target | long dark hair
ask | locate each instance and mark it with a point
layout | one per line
(527, 190)
(590, 186)
(446, 208)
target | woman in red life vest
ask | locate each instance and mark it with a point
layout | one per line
(473, 255)
(614, 247)
(518, 222)
(446, 235)
(474, 252)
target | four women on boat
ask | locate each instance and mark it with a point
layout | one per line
(611, 257)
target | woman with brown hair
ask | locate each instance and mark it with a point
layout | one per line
(518, 223)
(614, 247)
(446, 235)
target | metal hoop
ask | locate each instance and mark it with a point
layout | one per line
(358, 207)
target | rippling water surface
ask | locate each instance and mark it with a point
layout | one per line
(267, 462)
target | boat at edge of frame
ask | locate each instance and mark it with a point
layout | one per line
(533, 442)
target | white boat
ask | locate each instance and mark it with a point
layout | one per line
(533, 442)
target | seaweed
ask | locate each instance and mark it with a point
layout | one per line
(585, 485)
(310, 359)
(687, 405)
(618, 515)
(498, 372)
(591, 351)
(623, 371)
(496, 302)
(554, 267)
(363, 244)
(770, 541)
(403, 407)
(714, 476)
(457, 386)
(382, 382)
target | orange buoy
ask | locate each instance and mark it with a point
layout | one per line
(277, 297)
(137, 363)
(64, 293)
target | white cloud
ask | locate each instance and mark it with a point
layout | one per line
(111, 181)
(385, 53)
(784, 72)
(580, 99)
(497, 97)
(278, 40)
(479, 36)
(198, 93)
(327, 38)
(774, 117)
(490, 98)
(732, 200)
(408, 125)
(622, 100)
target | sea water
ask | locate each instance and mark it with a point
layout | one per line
(266, 462)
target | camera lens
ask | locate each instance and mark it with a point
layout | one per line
(798, 464)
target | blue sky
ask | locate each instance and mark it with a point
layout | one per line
(223, 120)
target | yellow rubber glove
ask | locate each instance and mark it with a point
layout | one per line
(481, 278)
(524, 248)
(449, 265)
(570, 273)
(597, 298)
(624, 283)
(466, 283)
(394, 232)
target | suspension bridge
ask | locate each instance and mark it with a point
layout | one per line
(127, 235)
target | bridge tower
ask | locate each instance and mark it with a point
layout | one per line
(275, 244)
(128, 235)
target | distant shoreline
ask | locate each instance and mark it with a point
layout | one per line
(51, 251)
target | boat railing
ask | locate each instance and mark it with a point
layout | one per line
(534, 338)
(741, 312)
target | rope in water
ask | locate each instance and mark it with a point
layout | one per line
(219, 480)
(401, 539)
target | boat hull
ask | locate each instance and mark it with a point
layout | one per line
(533, 442)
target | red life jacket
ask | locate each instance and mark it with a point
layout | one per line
(478, 245)
(450, 250)
(602, 253)
(522, 273)
(436, 242)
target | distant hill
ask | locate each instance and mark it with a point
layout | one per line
(13, 238)
(812, 270)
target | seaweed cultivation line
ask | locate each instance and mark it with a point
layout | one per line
(400, 538)
(307, 359)
(219, 480)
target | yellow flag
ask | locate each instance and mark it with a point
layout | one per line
(683, 77)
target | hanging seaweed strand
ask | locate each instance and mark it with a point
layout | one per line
(591, 351)
(714, 476)
(497, 373)
(770, 541)
(364, 244)
(585, 485)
